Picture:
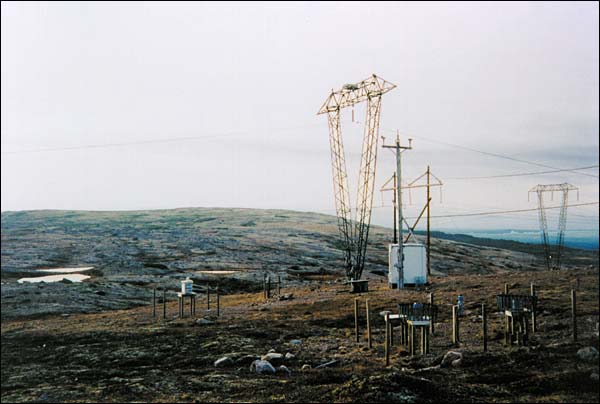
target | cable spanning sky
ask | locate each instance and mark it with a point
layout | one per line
(164, 105)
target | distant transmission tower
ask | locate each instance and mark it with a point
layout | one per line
(354, 236)
(553, 262)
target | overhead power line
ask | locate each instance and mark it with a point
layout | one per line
(502, 156)
(521, 174)
(154, 141)
(510, 211)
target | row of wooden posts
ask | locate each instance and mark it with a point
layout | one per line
(267, 286)
(181, 302)
(455, 324)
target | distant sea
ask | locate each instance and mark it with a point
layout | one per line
(586, 239)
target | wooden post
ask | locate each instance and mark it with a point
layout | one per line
(484, 326)
(428, 234)
(431, 328)
(208, 296)
(265, 286)
(534, 309)
(278, 285)
(218, 302)
(268, 287)
(387, 340)
(356, 318)
(506, 329)
(506, 288)
(368, 325)
(411, 337)
(191, 306)
(574, 313)
(164, 303)
(153, 302)
(455, 325)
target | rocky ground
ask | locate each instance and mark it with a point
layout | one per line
(98, 340)
(132, 252)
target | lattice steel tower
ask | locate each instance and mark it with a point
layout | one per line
(354, 235)
(553, 262)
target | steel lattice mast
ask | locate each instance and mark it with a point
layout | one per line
(562, 220)
(355, 235)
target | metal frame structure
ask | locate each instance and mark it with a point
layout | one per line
(562, 220)
(414, 184)
(355, 235)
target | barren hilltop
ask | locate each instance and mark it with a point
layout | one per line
(97, 340)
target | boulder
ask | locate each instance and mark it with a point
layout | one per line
(246, 359)
(588, 354)
(284, 370)
(275, 358)
(289, 356)
(296, 342)
(262, 367)
(223, 362)
(451, 358)
(306, 366)
(203, 321)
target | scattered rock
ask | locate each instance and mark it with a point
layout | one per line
(451, 358)
(296, 342)
(223, 362)
(262, 367)
(588, 354)
(272, 350)
(289, 296)
(289, 356)
(273, 357)
(246, 359)
(306, 366)
(327, 364)
(284, 370)
(204, 321)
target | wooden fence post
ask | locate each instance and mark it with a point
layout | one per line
(484, 325)
(534, 309)
(356, 318)
(218, 302)
(164, 303)
(431, 329)
(387, 340)
(506, 288)
(574, 313)
(455, 325)
(278, 285)
(154, 303)
(207, 296)
(368, 325)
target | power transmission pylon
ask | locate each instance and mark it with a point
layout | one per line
(355, 235)
(562, 220)
(415, 184)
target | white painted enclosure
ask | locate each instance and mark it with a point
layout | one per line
(415, 264)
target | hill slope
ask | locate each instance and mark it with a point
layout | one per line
(133, 251)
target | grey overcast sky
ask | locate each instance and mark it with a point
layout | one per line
(245, 82)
